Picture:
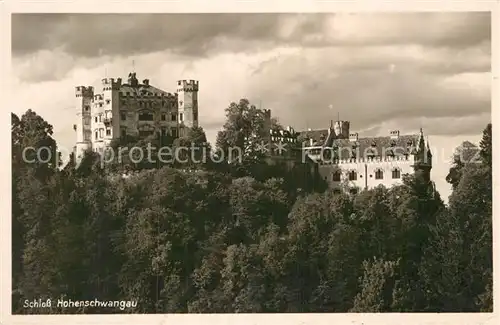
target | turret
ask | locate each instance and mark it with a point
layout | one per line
(82, 91)
(132, 79)
(422, 159)
(187, 99)
(341, 129)
(82, 126)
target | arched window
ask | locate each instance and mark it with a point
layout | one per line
(353, 175)
(336, 176)
(379, 174)
(396, 173)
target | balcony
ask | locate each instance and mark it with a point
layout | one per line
(107, 121)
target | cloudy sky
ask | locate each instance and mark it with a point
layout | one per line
(379, 71)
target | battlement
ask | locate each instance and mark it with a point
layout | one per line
(187, 85)
(353, 137)
(368, 160)
(82, 91)
(111, 83)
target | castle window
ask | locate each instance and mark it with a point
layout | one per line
(353, 175)
(174, 117)
(100, 104)
(101, 133)
(180, 103)
(96, 135)
(174, 132)
(108, 101)
(95, 119)
(87, 108)
(396, 173)
(108, 131)
(145, 133)
(181, 117)
(163, 117)
(123, 116)
(336, 176)
(146, 116)
(379, 174)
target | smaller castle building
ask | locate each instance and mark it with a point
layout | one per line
(134, 108)
(345, 160)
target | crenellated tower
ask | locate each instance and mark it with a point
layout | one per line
(110, 109)
(83, 125)
(341, 129)
(187, 97)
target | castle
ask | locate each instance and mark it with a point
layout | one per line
(132, 108)
(341, 158)
(345, 160)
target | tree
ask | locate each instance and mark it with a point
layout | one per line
(243, 133)
(486, 146)
(459, 253)
(376, 287)
(464, 154)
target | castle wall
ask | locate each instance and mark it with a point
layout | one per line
(365, 170)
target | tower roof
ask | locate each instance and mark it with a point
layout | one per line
(379, 144)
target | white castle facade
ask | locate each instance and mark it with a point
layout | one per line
(346, 160)
(132, 108)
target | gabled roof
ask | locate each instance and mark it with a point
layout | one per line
(404, 144)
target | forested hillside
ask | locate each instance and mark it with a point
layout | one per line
(243, 237)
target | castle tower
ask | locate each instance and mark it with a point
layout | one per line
(341, 129)
(422, 159)
(83, 125)
(110, 109)
(187, 96)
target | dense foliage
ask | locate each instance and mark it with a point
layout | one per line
(236, 238)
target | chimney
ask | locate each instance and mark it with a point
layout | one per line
(353, 137)
(395, 134)
(146, 82)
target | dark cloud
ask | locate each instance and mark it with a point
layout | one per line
(368, 97)
(91, 35)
